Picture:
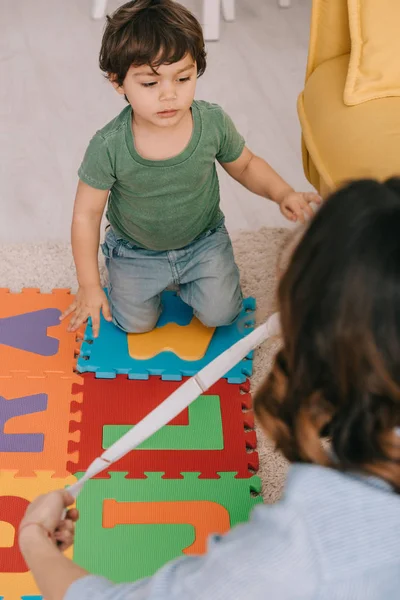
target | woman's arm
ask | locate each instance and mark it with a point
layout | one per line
(43, 535)
(54, 573)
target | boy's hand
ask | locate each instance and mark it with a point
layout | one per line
(88, 303)
(295, 206)
(45, 514)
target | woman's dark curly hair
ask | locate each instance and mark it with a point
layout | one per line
(339, 368)
(150, 32)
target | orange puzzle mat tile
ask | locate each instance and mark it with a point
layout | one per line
(15, 495)
(189, 342)
(32, 338)
(35, 423)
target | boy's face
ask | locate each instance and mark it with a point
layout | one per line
(163, 98)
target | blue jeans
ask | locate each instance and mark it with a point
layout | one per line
(205, 272)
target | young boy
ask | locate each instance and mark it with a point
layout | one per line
(155, 164)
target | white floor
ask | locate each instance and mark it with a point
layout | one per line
(53, 98)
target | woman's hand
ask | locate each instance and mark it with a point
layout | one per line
(45, 513)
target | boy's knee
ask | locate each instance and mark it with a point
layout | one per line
(130, 326)
(220, 317)
(134, 317)
(134, 323)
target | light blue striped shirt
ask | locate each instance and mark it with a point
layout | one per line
(331, 537)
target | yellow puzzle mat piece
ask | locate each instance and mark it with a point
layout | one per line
(189, 342)
(15, 585)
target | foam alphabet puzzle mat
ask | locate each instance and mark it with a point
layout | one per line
(95, 355)
(193, 478)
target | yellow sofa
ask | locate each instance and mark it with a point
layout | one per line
(342, 141)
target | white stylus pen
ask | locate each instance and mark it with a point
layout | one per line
(179, 400)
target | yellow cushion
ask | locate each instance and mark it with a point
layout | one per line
(348, 142)
(374, 69)
(329, 32)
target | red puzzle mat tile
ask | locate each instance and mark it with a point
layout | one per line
(32, 338)
(122, 401)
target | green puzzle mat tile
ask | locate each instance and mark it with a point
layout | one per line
(128, 552)
(206, 409)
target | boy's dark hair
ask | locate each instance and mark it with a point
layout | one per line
(150, 32)
(339, 368)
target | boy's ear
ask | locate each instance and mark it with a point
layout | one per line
(113, 80)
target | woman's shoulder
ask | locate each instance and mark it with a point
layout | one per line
(340, 509)
(304, 481)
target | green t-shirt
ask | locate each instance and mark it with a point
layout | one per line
(162, 204)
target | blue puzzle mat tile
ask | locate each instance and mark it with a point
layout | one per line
(108, 355)
(174, 310)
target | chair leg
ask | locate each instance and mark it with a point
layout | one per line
(285, 3)
(211, 19)
(228, 9)
(99, 8)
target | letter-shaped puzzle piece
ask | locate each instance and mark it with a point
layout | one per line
(15, 494)
(48, 429)
(33, 341)
(21, 442)
(177, 331)
(203, 432)
(29, 331)
(12, 509)
(189, 343)
(206, 517)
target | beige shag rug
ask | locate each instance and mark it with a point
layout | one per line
(47, 266)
